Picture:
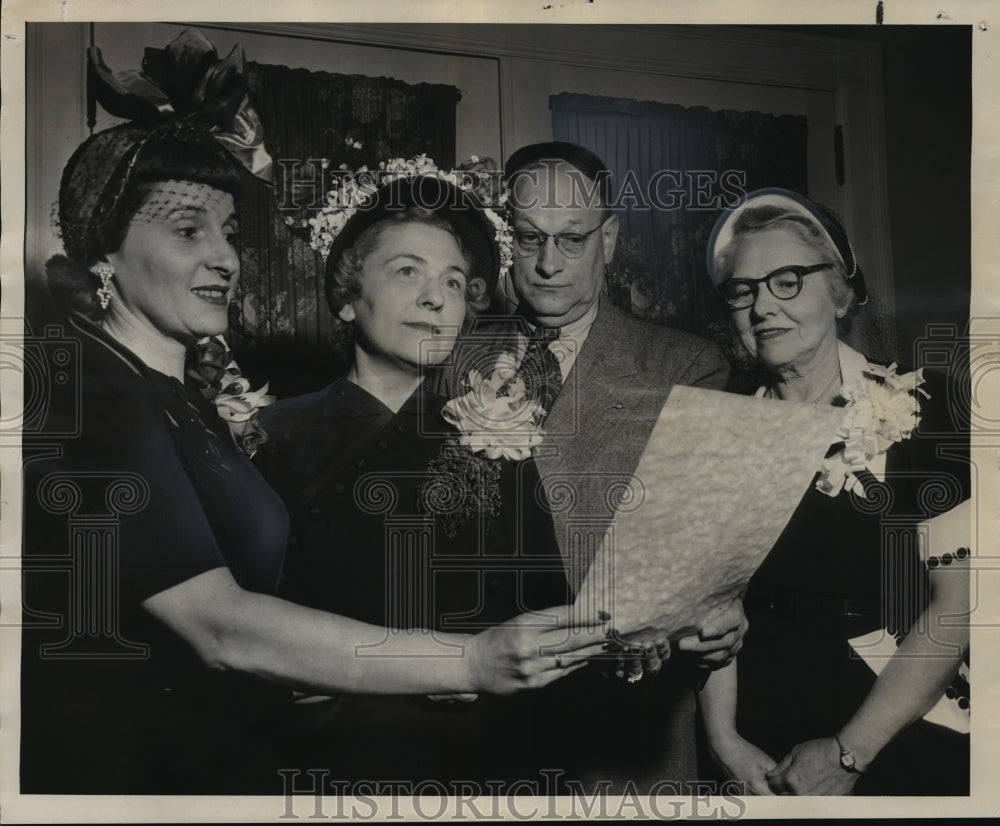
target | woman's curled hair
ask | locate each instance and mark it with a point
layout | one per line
(345, 273)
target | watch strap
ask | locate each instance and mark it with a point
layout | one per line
(848, 762)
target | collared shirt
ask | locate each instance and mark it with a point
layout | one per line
(571, 339)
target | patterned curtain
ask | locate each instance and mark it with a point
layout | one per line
(675, 168)
(283, 332)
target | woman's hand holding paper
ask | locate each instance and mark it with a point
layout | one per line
(534, 649)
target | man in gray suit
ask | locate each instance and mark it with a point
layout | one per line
(610, 375)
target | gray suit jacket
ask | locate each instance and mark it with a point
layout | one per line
(598, 426)
(600, 422)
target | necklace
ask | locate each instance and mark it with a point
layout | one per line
(837, 377)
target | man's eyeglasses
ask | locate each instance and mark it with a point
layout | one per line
(784, 284)
(571, 244)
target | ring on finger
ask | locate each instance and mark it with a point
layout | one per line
(559, 661)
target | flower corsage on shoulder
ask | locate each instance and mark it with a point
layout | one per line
(219, 380)
(883, 407)
(495, 420)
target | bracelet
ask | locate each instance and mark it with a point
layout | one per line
(959, 691)
(933, 562)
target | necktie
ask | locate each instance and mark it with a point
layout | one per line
(540, 367)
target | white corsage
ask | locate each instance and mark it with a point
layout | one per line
(496, 417)
(882, 408)
(495, 420)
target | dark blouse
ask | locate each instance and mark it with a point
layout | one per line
(845, 566)
(350, 472)
(132, 486)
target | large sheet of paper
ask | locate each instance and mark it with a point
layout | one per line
(719, 480)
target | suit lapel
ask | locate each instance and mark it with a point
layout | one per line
(591, 390)
(581, 427)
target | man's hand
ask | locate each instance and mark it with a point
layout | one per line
(812, 767)
(720, 638)
(636, 658)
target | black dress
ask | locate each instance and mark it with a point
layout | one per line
(132, 485)
(363, 546)
(843, 567)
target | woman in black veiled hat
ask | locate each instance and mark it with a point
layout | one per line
(152, 641)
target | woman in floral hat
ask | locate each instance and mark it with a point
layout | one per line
(409, 510)
(800, 712)
(152, 644)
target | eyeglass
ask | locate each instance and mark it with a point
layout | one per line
(783, 284)
(571, 244)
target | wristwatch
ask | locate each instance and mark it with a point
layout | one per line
(847, 760)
